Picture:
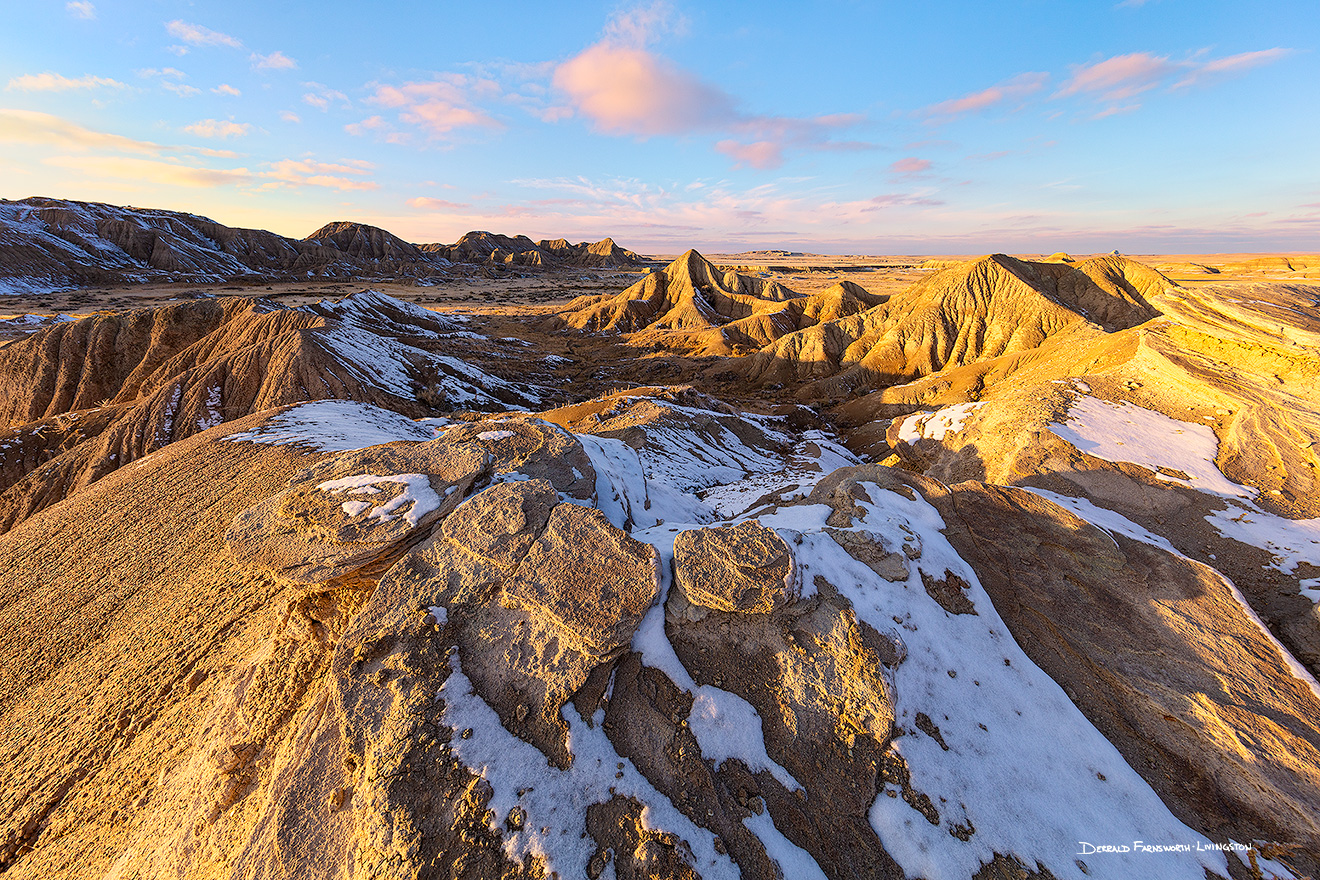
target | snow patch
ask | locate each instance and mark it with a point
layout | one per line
(938, 424)
(555, 801)
(1291, 541)
(1129, 433)
(335, 426)
(415, 501)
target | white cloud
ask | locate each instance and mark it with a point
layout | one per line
(274, 61)
(197, 35)
(183, 91)
(290, 116)
(81, 8)
(321, 96)
(167, 72)
(54, 82)
(226, 89)
(216, 128)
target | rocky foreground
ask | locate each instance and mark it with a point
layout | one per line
(280, 601)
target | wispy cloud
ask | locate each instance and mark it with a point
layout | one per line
(290, 116)
(376, 125)
(54, 82)
(322, 96)
(226, 89)
(217, 128)
(1017, 87)
(181, 89)
(167, 72)
(1119, 80)
(81, 9)
(429, 204)
(31, 127)
(909, 166)
(97, 154)
(274, 61)
(1232, 64)
(345, 175)
(441, 106)
(151, 171)
(197, 35)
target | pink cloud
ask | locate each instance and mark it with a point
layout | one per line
(910, 165)
(429, 204)
(440, 106)
(216, 128)
(1118, 80)
(1019, 86)
(54, 82)
(633, 91)
(623, 88)
(344, 175)
(274, 61)
(760, 154)
(1232, 64)
(1120, 77)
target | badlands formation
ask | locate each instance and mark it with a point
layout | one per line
(987, 568)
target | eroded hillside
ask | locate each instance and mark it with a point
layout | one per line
(387, 592)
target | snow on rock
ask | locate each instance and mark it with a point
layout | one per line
(793, 861)
(1127, 432)
(1024, 771)
(29, 323)
(1291, 541)
(1111, 521)
(335, 426)
(938, 424)
(415, 501)
(371, 308)
(727, 726)
(555, 801)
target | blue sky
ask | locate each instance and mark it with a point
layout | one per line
(840, 127)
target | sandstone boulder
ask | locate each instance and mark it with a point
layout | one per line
(746, 568)
(536, 449)
(353, 510)
(591, 579)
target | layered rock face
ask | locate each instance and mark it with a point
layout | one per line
(966, 313)
(103, 391)
(693, 306)
(489, 247)
(50, 244)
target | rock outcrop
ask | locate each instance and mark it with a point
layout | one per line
(50, 244)
(491, 248)
(693, 306)
(54, 243)
(508, 651)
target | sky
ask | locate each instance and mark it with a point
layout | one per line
(940, 127)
